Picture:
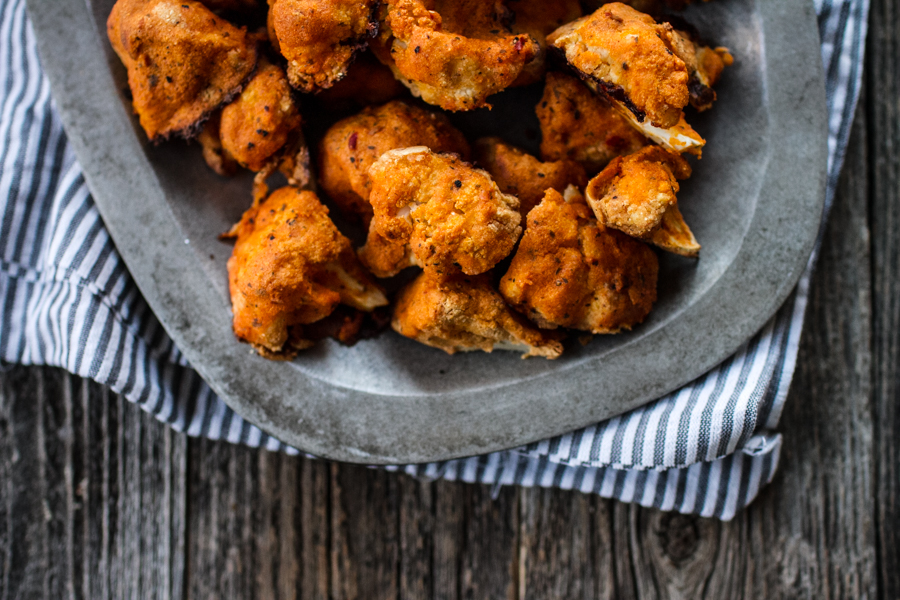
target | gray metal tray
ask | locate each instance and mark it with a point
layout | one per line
(754, 202)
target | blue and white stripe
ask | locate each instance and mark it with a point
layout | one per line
(66, 299)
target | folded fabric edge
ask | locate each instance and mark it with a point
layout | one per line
(718, 489)
(760, 443)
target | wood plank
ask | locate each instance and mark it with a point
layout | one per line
(70, 530)
(222, 534)
(365, 531)
(883, 90)
(556, 545)
(489, 560)
(449, 532)
(315, 490)
(416, 538)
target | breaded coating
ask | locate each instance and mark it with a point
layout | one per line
(577, 124)
(627, 55)
(571, 271)
(460, 313)
(368, 83)
(319, 38)
(524, 176)
(539, 18)
(352, 145)
(455, 64)
(436, 211)
(291, 266)
(183, 62)
(259, 122)
(634, 193)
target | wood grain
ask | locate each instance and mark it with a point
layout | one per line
(883, 92)
(92, 501)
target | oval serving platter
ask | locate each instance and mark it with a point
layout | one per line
(754, 202)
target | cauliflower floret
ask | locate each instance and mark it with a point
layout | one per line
(183, 62)
(627, 55)
(636, 194)
(649, 71)
(435, 210)
(571, 271)
(524, 176)
(320, 38)
(460, 313)
(454, 62)
(291, 267)
(259, 122)
(353, 144)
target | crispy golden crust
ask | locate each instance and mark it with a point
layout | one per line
(630, 57)
(352, 145)
(436, 211)
(446, 67)
(577, 124)
(524, 176)
(258, 123)
(319, 38)
(291, 266)
(459, 313)
(571, 271)
(183, 62)
(635, 192)
(539, 18)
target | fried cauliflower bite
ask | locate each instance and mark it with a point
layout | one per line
(319, 38)
(291, 267)
(522, 175)
(649, 71)
(352, 145)
(636, 194)
(628, 56)
(436, 211)
(259, 122)
(577, 124)
(442, 64)
(539, 18)
(461, 313)
(571, 271)
(183, 62)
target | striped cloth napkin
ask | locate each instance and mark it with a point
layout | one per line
(66, 299)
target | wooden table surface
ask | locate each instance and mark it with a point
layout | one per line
(97, 500)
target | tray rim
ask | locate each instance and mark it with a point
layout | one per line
(73, 57)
